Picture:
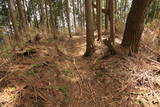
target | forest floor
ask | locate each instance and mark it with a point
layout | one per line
(53, 73)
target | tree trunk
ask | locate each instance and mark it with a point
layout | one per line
(94, 18)
(99, 19)
(111, 18)
(42, 13)
(106, 16)
(115, 13)
(52, 22)
(62, 15)
(68, 18)
(47, 16)
(135, 25)
(89, 29)
(23, 22)
(83, 15)
(36, 23)
(74, 14)
(78, 12)
(81, 18)
(62, 18)
(13, 19)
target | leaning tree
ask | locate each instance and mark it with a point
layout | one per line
(135, 25)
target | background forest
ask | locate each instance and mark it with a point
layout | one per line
(79, 53)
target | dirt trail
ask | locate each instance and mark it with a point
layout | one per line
(99, 81)
(118, 81)
(58, 75)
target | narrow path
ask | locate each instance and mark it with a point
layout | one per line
(113, 82)
(76, 46)
(55, 79)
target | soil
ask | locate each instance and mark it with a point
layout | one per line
(57, 75)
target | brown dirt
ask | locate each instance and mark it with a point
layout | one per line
(58, 76)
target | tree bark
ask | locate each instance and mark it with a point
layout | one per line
(74, 14)
(47, 16)
(68, 18)
(78, 12)
(23, 22)
(99, 19)
(135, 25)
(13, 19)
(94, 18)
(81, 16)
(42, 13)
(111, 18)
(106, 16)
(89, 29)
(52, 21)
(62, 15)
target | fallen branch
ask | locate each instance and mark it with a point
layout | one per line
(6, 76)
(153, 61)
(151, 49)
(26, 52)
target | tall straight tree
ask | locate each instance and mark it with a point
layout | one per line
(13, 18)
(42, 13)
(51, 20)
(135, 25)
(89, 29)
(94, 16)
(99, 19)
(62, 14)
(74, 14)
(47, 15)
(106, 14)
(68, 18)
(81, 15)
(78, 12)
(21, 11)
(111, 18)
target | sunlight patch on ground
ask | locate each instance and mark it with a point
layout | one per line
(7, 95)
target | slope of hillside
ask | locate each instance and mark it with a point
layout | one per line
(55, 74)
